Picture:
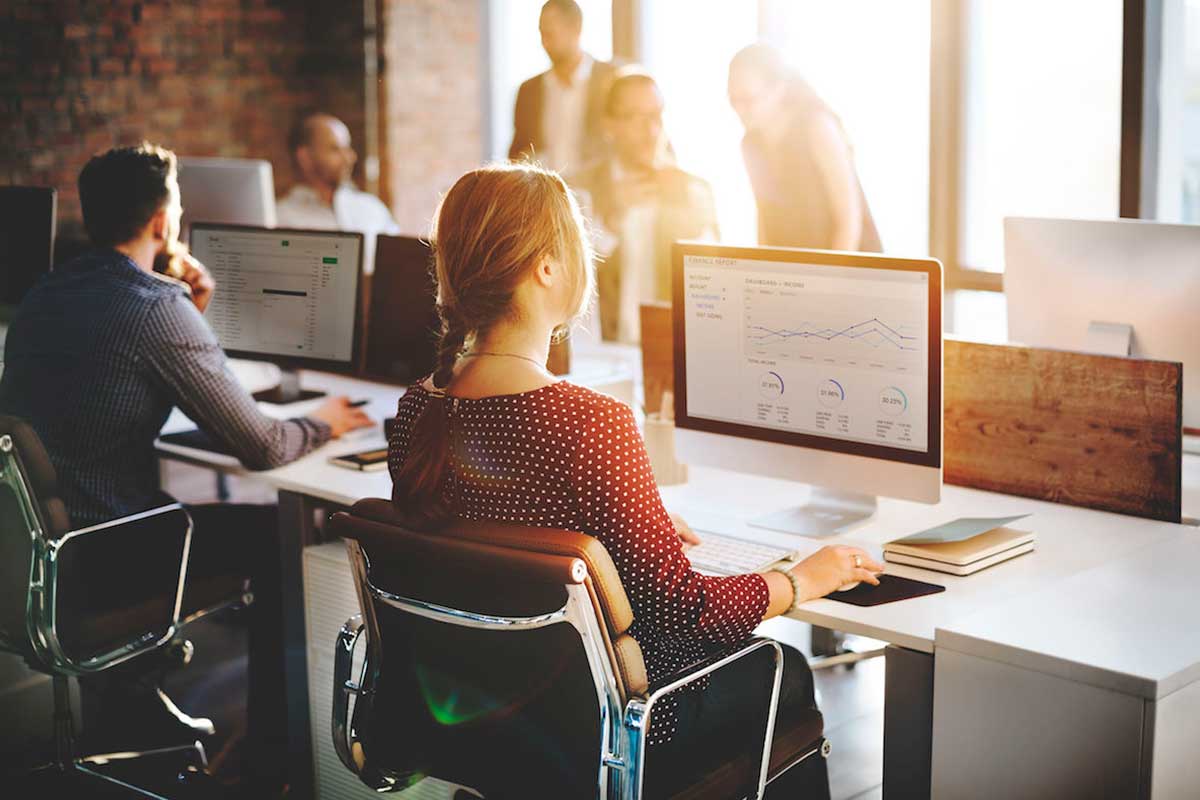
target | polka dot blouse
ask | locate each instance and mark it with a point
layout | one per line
(570, 458)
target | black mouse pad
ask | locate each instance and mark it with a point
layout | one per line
(890, 589)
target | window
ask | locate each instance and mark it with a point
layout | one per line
(869, 59)
(1040, 116)
(687, 50)
(1178, 196)
(515, 54)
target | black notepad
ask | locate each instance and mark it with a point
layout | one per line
(198, 439)
(890, 589)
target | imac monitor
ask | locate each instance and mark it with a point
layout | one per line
(1118, 287)
(814, 366)
(237, 191)
(26, 239)
(286, 296)
(402, 321)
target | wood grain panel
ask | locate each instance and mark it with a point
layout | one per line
(658, 353)
(1102, 432)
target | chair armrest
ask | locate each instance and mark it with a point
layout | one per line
(638, 710)
(344, 737)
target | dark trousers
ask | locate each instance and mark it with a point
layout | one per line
(729, 714)
(230, 545)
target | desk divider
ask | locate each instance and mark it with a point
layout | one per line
(1102, 432)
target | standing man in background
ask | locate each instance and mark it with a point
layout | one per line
(326, 199)
(799, 159)
(640, 203)
(558, 116)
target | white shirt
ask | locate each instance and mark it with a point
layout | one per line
(352, 210)
(563, 111)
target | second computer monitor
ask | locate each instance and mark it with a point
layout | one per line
(402, 321)
(286, 296)
(235, 191)
(819, 367)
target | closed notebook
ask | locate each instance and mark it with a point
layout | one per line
(964, 556)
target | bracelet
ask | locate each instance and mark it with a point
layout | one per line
(792, 579)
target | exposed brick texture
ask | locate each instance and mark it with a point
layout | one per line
(432, 102)
(222, 77)
(228, 77)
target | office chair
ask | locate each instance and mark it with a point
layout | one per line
(79, 602)
(498, 658)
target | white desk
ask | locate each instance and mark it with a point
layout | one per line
(1092, 685)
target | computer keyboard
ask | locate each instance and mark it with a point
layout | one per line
(725, 555)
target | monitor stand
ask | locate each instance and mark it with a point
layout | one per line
(826, 513)
(288, 390)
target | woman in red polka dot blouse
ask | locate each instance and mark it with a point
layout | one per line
(492, 435)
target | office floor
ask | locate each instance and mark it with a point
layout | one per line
(851, 699)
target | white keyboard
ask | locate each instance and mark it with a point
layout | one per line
(725, 555)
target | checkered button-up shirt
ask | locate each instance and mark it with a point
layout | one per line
(98, 354)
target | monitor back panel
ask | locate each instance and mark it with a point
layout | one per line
(401, 320)
(27, 226)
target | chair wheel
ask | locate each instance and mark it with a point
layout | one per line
(180, 652)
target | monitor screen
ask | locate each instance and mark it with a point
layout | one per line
(836, 351)
(284, 295)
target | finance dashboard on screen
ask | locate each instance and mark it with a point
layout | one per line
(283, 293)
(816, 349)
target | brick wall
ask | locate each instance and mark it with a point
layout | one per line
(219, 77)
(432, 104)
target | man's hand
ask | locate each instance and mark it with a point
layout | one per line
(197, 276)
(687, 537)
(340, 416)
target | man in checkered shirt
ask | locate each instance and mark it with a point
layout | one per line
(100, 351)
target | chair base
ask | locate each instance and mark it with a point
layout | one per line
(169, 773)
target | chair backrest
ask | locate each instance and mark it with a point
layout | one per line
(498, 656)
(74, 602)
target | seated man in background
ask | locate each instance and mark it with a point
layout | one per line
(640, 203)
(97, 355)
(326, 198)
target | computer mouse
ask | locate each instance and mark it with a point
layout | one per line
(848, 586)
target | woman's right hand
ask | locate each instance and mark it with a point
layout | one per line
(832, 567)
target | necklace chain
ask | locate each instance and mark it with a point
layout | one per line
(533, 361)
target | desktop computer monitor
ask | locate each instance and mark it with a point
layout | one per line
(27, 226)
(291, 297)
(813, 366)
(236, 191)
(1120, 287)
(402, 321)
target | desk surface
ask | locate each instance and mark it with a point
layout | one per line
(1070, 540)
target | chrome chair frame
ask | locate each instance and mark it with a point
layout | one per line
(41, 627)
(621, 771)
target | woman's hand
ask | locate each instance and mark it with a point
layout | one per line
(831, 568)
(687, 537)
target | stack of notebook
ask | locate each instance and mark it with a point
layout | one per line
(961, 547)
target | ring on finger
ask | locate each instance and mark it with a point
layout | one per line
(857, 562)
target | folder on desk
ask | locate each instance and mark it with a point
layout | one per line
(961, 547)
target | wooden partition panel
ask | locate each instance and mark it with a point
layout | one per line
(1102, 432)
(658, 353)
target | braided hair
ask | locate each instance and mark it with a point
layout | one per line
(492, 229)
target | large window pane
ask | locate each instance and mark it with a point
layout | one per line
(1042, 117)
(1179, 116)
(869, 59)
(687, 47)
(515, 54)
